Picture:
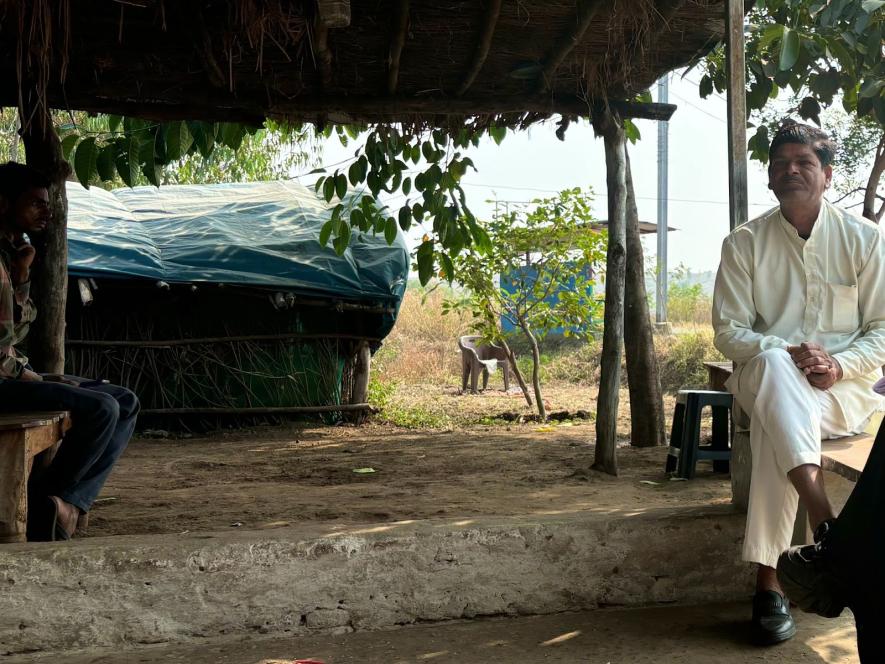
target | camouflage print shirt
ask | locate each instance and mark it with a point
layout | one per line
(17, 312)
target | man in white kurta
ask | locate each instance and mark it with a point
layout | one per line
(799, 306)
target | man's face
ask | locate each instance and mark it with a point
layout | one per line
(31, 212)
(796, 176)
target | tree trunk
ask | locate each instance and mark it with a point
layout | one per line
(536, 373)
(49, 273)
(609, 126)
(643, 379)
(516, 372)
(872, 188)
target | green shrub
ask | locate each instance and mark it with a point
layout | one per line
(681, 359)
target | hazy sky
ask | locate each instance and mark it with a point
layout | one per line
(534, 163)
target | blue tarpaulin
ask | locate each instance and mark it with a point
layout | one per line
(263, 234)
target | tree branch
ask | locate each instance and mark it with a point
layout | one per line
(397, 41)
(586, 11)
(482, 49)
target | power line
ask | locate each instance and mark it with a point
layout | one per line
(698, 85)
(695, 106)
(553, 191)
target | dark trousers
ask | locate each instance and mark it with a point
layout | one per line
(856, 545)
(103, 419)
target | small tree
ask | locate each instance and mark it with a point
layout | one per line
(537, 274)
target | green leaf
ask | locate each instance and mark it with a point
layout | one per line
(425, 261)
(809, 109)
(353, 173)
(341, 186)
(147, 157)
(114, 123)
(631, 131)
(770, 35)
(325, 233)
(178, 140)
(104, 163)
(705, 87)
(328, 188)
(427, 150)
(232, 135)
(390, 230)
(68, 143)
(340, 243)
(84, 160)
(497, 134)
(405, 217)
(871, 87)
(790, 46)
(359, 219)
(448, 267)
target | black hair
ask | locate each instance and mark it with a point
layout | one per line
(16, 179)
(794, 132)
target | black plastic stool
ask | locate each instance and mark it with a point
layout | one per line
(685, 448)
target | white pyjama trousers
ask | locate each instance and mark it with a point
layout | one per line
(788, 419)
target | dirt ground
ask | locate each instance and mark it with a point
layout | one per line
(276, 476)
(664, 635)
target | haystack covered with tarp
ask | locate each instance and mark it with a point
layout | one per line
(220, 299)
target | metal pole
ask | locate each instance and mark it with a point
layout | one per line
(737, 113)
(663, 146)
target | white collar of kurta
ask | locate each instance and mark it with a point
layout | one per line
(822, 216)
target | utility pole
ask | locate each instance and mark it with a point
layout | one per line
(663, 145)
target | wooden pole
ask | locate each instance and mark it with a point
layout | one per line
(397, 41)
(643, 378)
(482, 49)
(361, 368)
(49, 273)
(609, 124)
(736, 85)
(586, 11)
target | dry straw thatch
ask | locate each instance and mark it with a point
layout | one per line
(516, 61)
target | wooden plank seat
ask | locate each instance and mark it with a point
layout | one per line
(24, 436)
(843, 456)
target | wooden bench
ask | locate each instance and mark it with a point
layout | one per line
(844, 456)
(24, 436)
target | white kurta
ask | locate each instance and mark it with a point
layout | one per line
(773, 290)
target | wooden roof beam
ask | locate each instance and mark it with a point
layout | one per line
(587, 10)
(321, 53)
(482, 48)
(397, 41)
(207, 106)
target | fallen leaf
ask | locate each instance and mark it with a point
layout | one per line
(363, 471)
(649, 482)
(679, 479)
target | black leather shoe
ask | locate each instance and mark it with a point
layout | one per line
(809, 578)
(772, 622)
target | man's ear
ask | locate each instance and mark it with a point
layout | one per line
(828, 173)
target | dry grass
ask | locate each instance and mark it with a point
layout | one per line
(423, 346)
(416, 375)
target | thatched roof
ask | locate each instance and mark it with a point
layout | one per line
(340, 61)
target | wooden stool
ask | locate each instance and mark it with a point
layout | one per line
(685, 448)
(22, 437)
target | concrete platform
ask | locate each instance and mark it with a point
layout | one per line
(124, 592)
(663, 635)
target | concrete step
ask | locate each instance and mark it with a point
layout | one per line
(120, 591)
(665, 635)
